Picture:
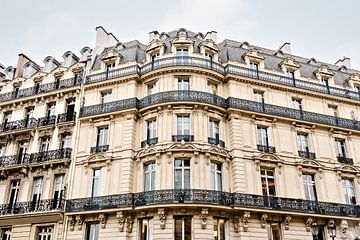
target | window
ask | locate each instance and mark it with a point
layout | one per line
(37, 189)
(183, 83)
(5, 233)
(297, 103)
(325, 82)
(22, 151)
(7, 117)
(183, 125)
(155, 57)
(27, 70)
(290, 74)
(29, 113)
(309, 187)
(1, 151)
(102, 136)
(182, 52)
(95, 186)
(45, 233)
(58, 190)
(14, 193)
(303, 142)
(149, 176)
(51, 109)
(262, 136)
(212, 87)
(275, 231)
(151, 88)
(106, 96)
(70, 109)
(45, 143)
(182, 174)
(320, 233)
(219, 228)
(110, 66)
(267, 182)
(349, 191)
(259, 97)
(92, 231)
(216, 176)
(182, 228)
(340, 147)
(254, 70)
(65, 141)
(151, 129)
(333, 110)
(214, 128)
(145, 228)
(208, 57)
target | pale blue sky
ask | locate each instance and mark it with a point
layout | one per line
(325, 30)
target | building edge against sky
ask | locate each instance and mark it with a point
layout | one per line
(180, 138)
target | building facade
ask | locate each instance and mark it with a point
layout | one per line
(182, 138)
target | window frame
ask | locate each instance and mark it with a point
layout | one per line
(266, 176)
(183, 168)
(214, 174)
(152, 176)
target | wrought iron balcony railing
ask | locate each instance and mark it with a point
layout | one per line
(46, 121)
(42, 88)
(29, 158)
(216, 141)
(66, 117)
(185, 138)
(19, 125)
(149, 141)
(108, 107)
(97, 149)
(345, 160)
(46, 205)
(111, 74)
(266, 149)
(209, 197)
(307, 154)
(102, 202)
(211, 99)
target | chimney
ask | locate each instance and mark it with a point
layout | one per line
(104, 39)
(285, 48)
(345, 61)
(211, 35)
(153, 35)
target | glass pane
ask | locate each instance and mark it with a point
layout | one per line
(187, 224)
(187, 178)
(177, 179)
(178, 229)
(219, 182)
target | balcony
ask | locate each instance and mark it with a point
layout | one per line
(266, 149)
(185, 138)
(39, 157)
(19, 125)
(66, 117)
(99, 149)
(97, 203)
(209, 197)
(121, 72)
(46, 205)
(216, 141)
(345, 160)
(307, 154)
(108, 107)
(43, 88)
(149, 142)
(47, 121)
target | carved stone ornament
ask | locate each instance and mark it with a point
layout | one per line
(102, 219)
(162, 217)
(79, 221)
(308, 223)
(203, 216)
(71, 220)
(287, 220)
(245, 219)
(236, 221)
(121, 220)
(129, 223)
(263, 219)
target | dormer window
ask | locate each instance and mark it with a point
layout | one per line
(110, 66)
(9, 73)
(67, 60)
(290, 74)
(182, 52)
(27, 70)
(254, 70)
(325, 82)
(155, 59)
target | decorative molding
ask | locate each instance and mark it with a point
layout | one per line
(129, 223)
(236, 221)
(79, 221)
(308, 223)
(121, 220)
(287, 220)
(263, 219)
(203, 216)
(103, 219)
(72, 222)
(162, 217)
(245, 219)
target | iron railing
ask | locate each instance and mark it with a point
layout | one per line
(19, 125)
(66, 117)
(108, 107)
(46, 121)
(216, 141)
(29, 158)
(345, 160)
(210, 197)
(97, 149)
(307, 154)
(102, 202)
(42, 88)
(45, 205)
(149, 142)
(111, 74)
(185, 138)
(266, 148)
